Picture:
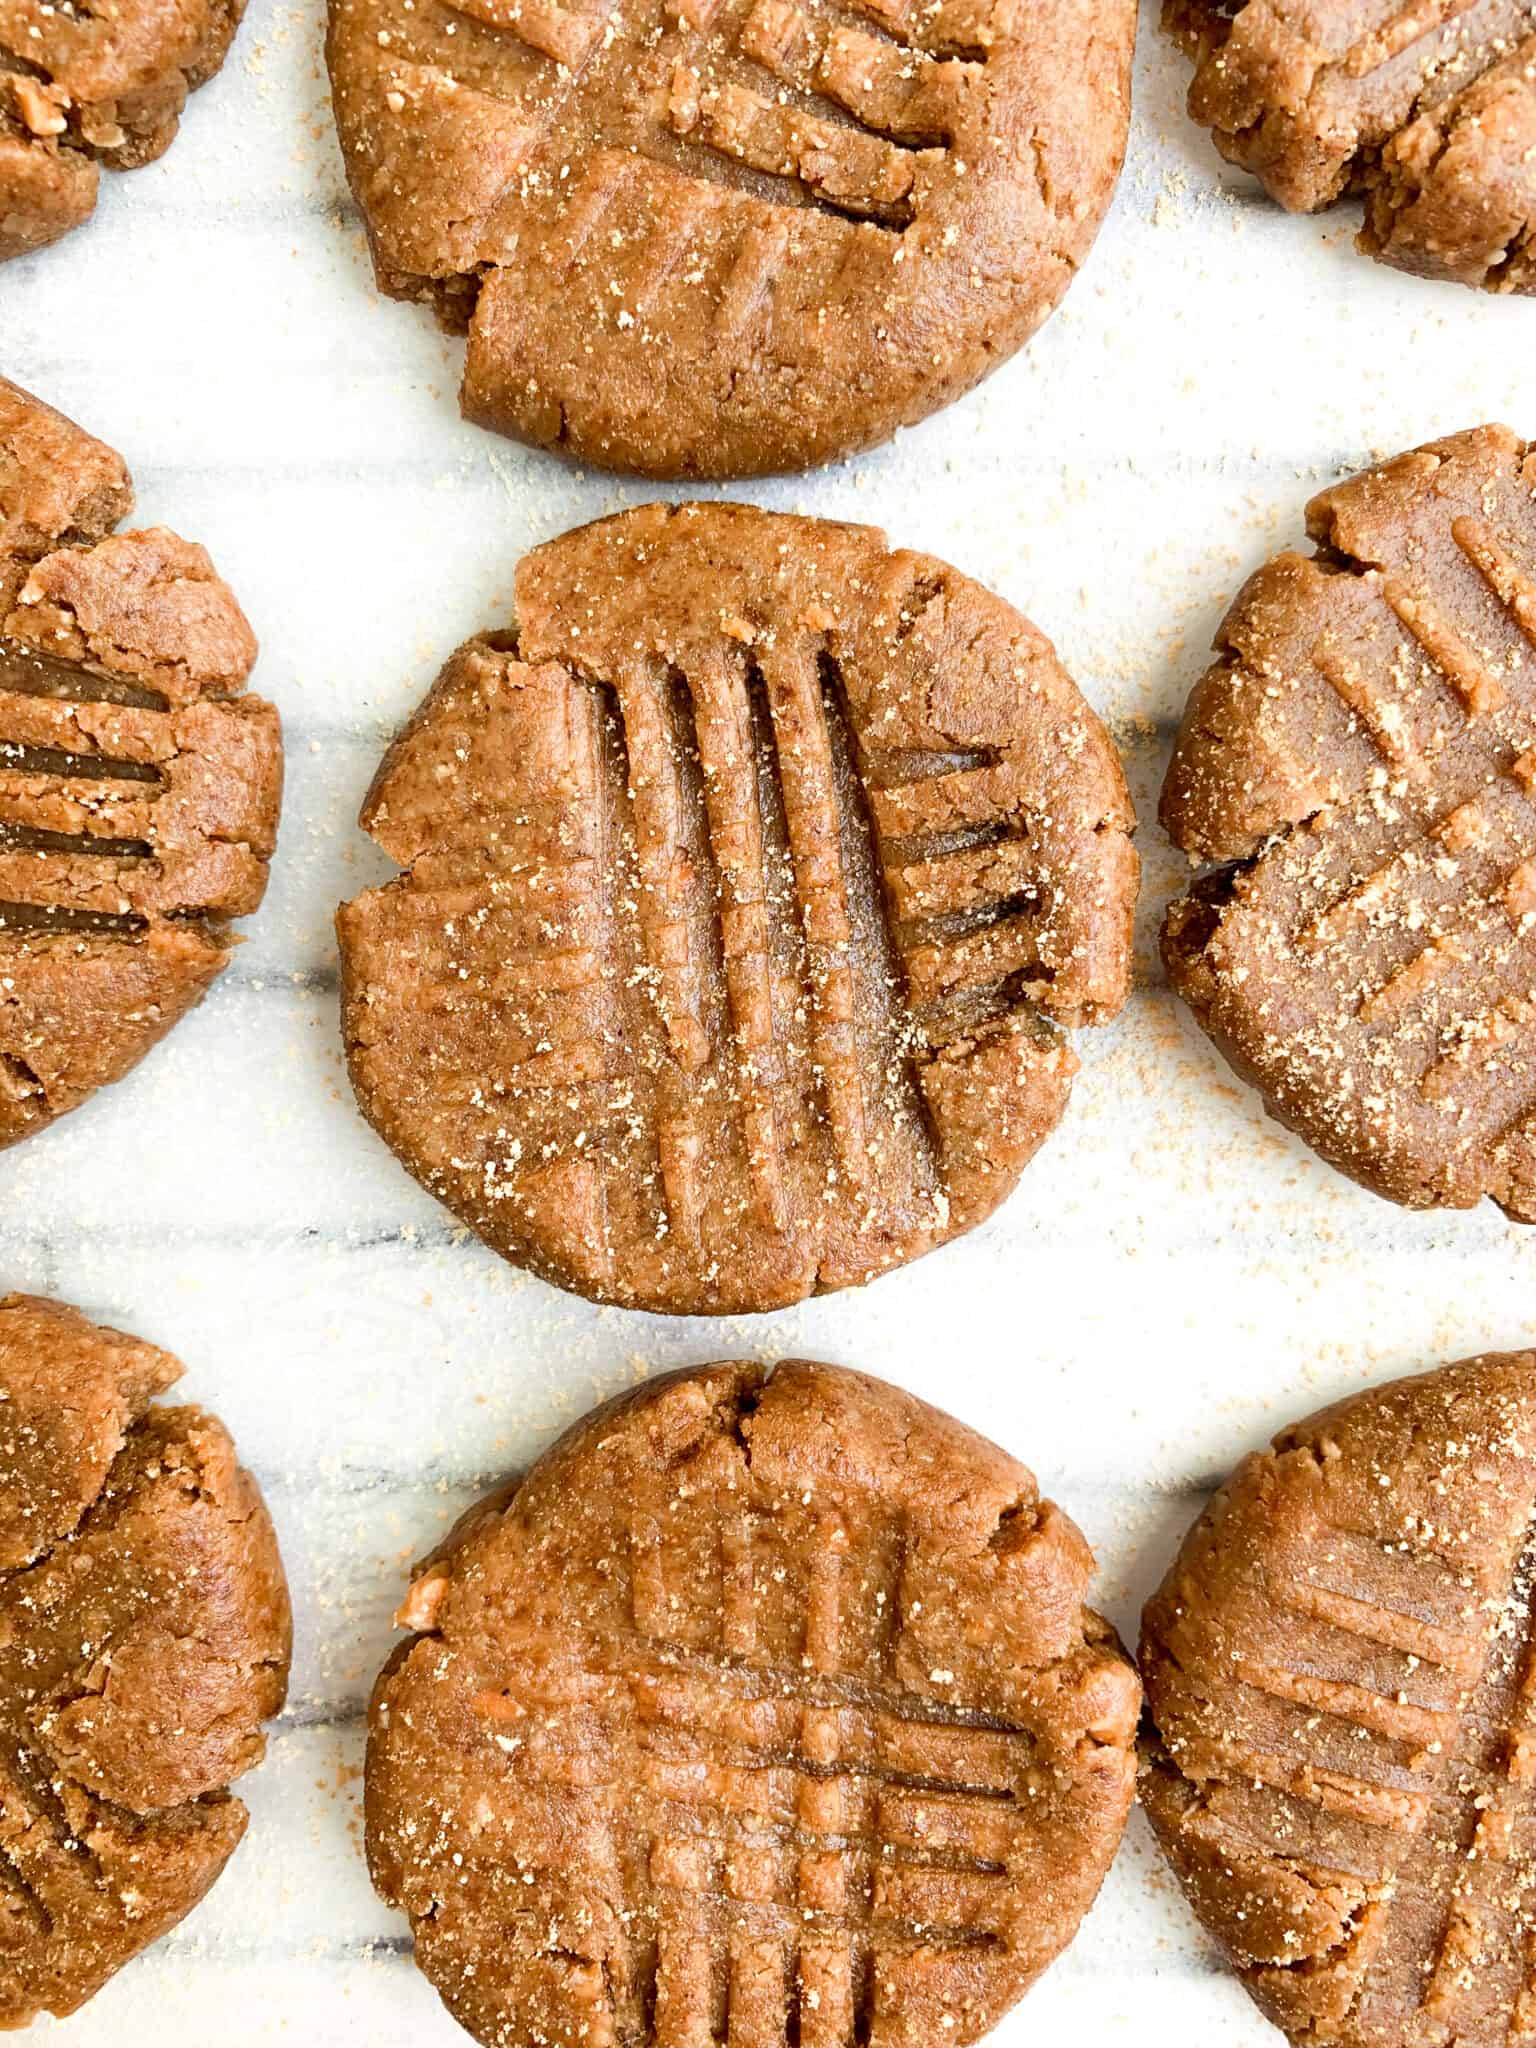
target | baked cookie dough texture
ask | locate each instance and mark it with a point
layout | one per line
(82, 86)
(1358, 774)
(1341, 1678)
(766, 1710)
(144, 1639)
(1426, 109)
(749, 888)
(724, 237)
(139, 779)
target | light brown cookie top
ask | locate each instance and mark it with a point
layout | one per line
(84, 86)
(139, 780)
(144, 1638)
(1341, 1671)
(1362, 759)
(747, 884)
(1426, 107)
(767, 1711)
(724, 237)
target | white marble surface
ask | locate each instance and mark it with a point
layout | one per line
(1174, 1279)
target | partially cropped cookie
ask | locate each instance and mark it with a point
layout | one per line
(1425, 108)
(766, 1710)
(699, 239)
(748, 886)
(139, 779)
(144, 1638)
(1341, 1674)
(85, 86)
(1360, 766)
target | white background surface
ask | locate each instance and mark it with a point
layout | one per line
(1174, 1280)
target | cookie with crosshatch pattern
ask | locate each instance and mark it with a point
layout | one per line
(140, 780)
(1426, 108)
(747, 887)
(765, 1710)
(1360, 768)
(1341, 1673)
(725, 237)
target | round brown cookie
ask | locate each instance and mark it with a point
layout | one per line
(81, 87)
(144, 1638)
(724, 237)
(139, 781)
(1341, 1673)
(1362, 762)
(747, 884)
(1425, 107)
(767, 1711)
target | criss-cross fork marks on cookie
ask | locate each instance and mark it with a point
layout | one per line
(110, 813)
(139, 782)
(1363, 756)
(1345, 1769)
(804, 1839)
(741, 208)
(767, 103)
(1427, 107)
(787, 1758)
(807, 110)
(704, 958)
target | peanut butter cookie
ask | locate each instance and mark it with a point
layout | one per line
(747, 887)
(723, 237)
(144, 1638)
(1361, 763)
(1427, 108)
(1341, 1672)
(139, 780)
(85, 86)
(766, 1711)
